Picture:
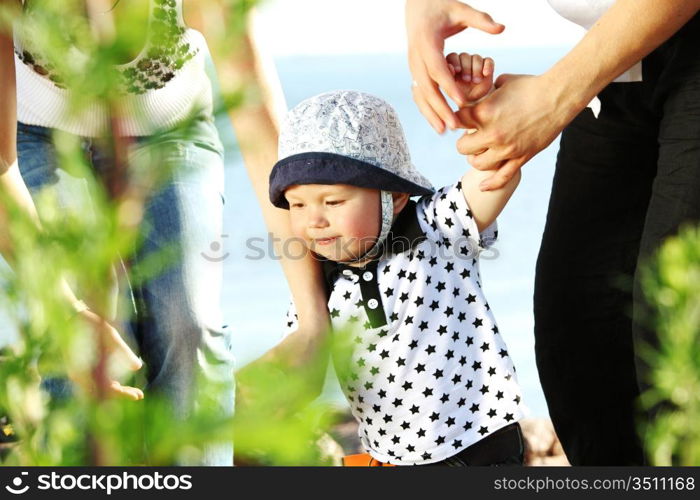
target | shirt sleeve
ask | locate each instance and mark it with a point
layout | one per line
(447, 220)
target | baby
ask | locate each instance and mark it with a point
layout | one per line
(431, 381)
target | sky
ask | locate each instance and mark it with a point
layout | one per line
(296, 27)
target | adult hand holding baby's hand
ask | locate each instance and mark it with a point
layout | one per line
(518, 120)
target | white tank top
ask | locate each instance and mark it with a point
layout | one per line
(160, 88)
(585, 13)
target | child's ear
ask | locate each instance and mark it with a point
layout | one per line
(400, 200)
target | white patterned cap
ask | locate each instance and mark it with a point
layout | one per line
(344, 137)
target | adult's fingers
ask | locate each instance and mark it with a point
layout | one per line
(427, 111)
(468, 17)
(489, 159)
(126, 391)
(473, 143)
(439, 77)
(502, 175)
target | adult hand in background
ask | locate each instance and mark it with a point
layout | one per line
(428, 24)
(521, 118)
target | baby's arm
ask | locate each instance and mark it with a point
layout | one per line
(474, 74)
(486, 205)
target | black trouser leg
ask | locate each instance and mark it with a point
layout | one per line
(583, 292)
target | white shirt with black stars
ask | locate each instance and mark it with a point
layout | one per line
(437, 377)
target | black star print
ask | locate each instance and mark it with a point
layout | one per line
(415, 409)
(457, 444)
(469, 341)
(471, 298)
(484, 389)
(491, 413)
(403, 297)
(449, 312)
(384, 354)
(369, 422)
(430, 349)
(386, 269)
(450, 354)
(465, 274)
(445, 398)
(411, 277)
(461, 317)
(450, 422)
(420, 367)
(484, 347)
(492, 370)
(517, 399)
(428, 280)
(440, 286)
(434, 416)
(397, 402)
(463, 360)
(467, 425)
(382, 393)
(413, 344)
(509, 417)
(401, 362)
(432, 261)
(434, 305)
(393, 317)
(420, 255)
(335, 313)
(483, 430)
(455, 292)
(474, 408)
(449, 267)
(405, 425)
(368, 386)
(401, 274)
(453, 206)
(407, 385)
(427, 392)
(478, 322)
(408, 320)
(389, 292)
(361, 362)
(391, 378)
(425, 456)
(494, 329)
(382, 432)
(456, 379)
(367, 325)
(455, 336)
(476, 365)
(437, 374)
(418, 301)
(440, 440)
(448, 222)
(421, 433)
(395, 440)
(387, 418)
(376, 408)
(442, 329)
(461, 402)
(503, 353)
(499, 395)
(423, 326)
(410, 448)
(469, 384)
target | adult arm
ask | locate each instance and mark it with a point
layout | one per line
(526, 113)
(428, 24)
(255, 122)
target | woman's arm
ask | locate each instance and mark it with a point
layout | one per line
(525, 114)
(255, 122)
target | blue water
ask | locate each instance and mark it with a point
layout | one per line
(255, 295)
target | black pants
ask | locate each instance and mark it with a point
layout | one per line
(623, 183)
(505, 447)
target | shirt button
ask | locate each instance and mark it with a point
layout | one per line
(372, 303)
(347, 272)
(367, 276)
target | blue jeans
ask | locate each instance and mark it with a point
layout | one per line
(177, 322)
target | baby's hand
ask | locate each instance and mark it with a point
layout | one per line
(473, 74)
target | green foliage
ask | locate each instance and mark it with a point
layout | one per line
(82, 246)
(672, 284)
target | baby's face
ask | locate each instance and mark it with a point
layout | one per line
(338, 222)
